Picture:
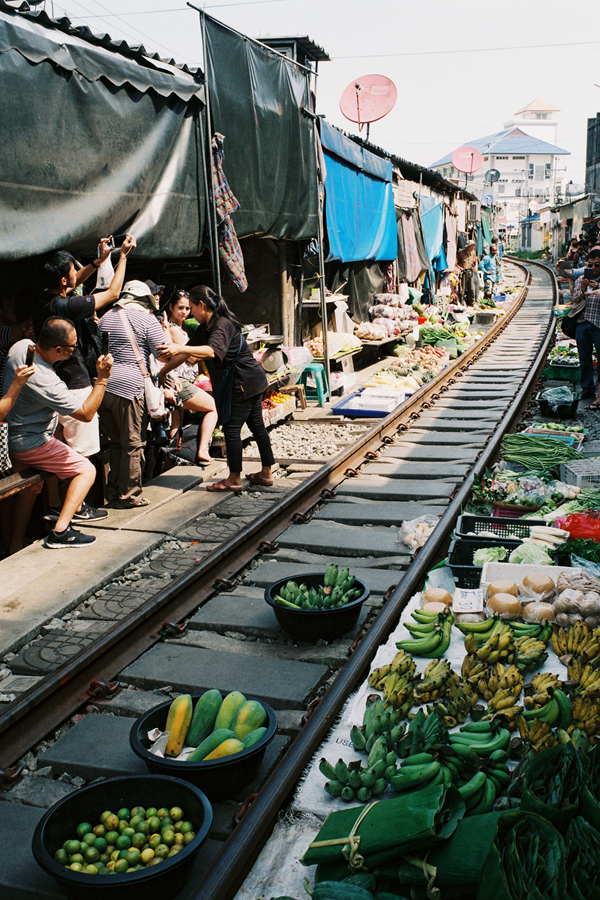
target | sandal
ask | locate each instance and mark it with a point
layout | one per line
(220, 487)
(138, 505)
(256, 478)
(594, 406)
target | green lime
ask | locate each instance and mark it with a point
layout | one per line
(162, 812)
(176, 813)
(83, 829)
(154, 823)
(100, 844)
(138, 867)
(129, 831)
(147, 855)
(121, 866)
(138, 811)
(105, 815)
(135, 821)
(111, 837)
(154, 841)
(62, 857)
(162, 850)
(110, 867)
(185, 827)
(123, 842)
(188, 837)
(123, 824)
(143, 827)
(133, 856)
(131, 869)
(151, 811)
(124, 813)
(155, 861)
(115, 855)
(138, 840)
(76, 867)
(174, 851)
(166, 822)
(99, 831)
(105, 858)
(76, 858)
(179, 837)
(111, 822)
(91, 869)
(72, 847)
(91, 855)
(168, 837)
(122, 854)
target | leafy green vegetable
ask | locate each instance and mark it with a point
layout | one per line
(584, 548)
(530, 555)
(489, 554)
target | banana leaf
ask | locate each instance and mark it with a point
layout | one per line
(391, 828)
(583, 860)
(458, 861)
(525, 862)
(553, 783)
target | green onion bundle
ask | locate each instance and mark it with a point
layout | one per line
(537, 452)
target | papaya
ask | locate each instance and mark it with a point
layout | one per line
(227, 748)
(228, 709)
(209, 744)
(178, 723)
(248, 717)
(205, 714)
(253, 737)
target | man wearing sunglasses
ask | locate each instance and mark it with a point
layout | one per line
(33, 420)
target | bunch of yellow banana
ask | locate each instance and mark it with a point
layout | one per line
(538, 734)
(504, 688)
(530, 653)
(498, 646)
(539, 690)
(398, 692)
(505, 678)
(575, 668)
(435, 679)
(589, 648)
(473, 670)
(586, 717)
(570, 640)
(589, 683)
(402, 663)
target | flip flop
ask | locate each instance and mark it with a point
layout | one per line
(256, 478)
(220, 487)
(594, 406)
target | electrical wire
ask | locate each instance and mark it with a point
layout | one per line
(186, 8)
(469, 50)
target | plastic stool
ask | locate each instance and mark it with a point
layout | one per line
(322, 392)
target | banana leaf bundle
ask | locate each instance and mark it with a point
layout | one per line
(583, 860)
(553, 784)
(366, 836)
(526, 860)
(457, 862)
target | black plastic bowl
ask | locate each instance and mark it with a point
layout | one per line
(165, 880)
(218, 778)
(316, 624)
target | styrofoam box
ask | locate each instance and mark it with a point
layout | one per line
(494, 571)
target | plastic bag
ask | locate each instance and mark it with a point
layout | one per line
(530, 555)
(556, 397)
(298, 359)
(581, 525)
(415, 532)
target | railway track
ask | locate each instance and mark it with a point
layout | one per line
(420, 459)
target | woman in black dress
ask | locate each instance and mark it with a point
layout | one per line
(238, 383)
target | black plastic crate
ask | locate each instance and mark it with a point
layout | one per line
(505, 528)
(564, 411)
(460, 558)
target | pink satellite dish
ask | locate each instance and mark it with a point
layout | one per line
(467, 159)
(368, 99)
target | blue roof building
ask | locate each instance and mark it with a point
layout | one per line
(511, 141)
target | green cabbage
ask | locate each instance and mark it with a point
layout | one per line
(530, 555)
(489, 554)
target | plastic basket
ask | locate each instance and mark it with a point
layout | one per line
(564, 411)
(562, 373)
(582, 473)
(460, 558)
(591, 449)
(504, 527)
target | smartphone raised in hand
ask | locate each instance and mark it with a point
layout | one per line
(105, 342)
(30, 355)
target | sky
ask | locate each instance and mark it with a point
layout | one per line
(461, 68)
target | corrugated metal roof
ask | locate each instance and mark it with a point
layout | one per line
(511, 141)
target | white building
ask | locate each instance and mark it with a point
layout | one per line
(527, 165)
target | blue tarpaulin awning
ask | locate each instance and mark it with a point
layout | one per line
(359, 203)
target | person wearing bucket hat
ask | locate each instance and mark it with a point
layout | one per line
(123, 413)
(155, 289)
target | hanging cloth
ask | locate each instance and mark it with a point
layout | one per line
(226, 204)
(413, 263)
(451, 225)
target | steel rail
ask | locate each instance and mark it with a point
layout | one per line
(229, 869)
(31, 716)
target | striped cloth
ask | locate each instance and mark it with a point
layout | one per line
(226, 204)
(126, 379)
(413, 263)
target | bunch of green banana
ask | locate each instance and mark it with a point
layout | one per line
(423, 733)
(353, 781)
(434, 640)
(402, 663)
(482, 630)
(589, 683)
(398, 693)
(482, 789)
(586, 717)
(479, 739)
(419, 771)
(557, 713)
(543, 632)
(530, 653)
(434, 681)
(337, 590)
(539, 690)
(456, 705)
(538, 734)
(499, 645)
(377, 721)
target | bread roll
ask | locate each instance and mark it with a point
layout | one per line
(505, 605)
(434, 607)
(539, 584)
(536, 612)
(502, 587)
(436, 595)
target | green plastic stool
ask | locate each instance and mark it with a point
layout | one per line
(322, 392)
